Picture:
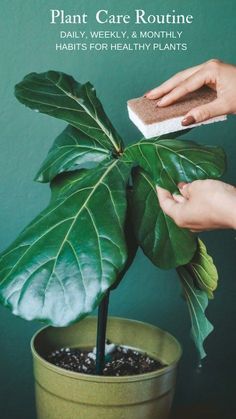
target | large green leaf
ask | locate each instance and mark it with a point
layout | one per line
(197, 303)
(203, 270)
(166, 163)
(71, 150)
(62, 264)
(59, 95)
(166, 245)
(172, 161)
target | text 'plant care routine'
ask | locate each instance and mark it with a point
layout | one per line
(162, 31)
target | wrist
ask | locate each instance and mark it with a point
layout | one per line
(231, 216)
(233, 224)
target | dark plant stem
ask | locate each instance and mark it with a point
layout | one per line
(101, 334)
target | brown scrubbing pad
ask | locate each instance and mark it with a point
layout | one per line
(153, 121)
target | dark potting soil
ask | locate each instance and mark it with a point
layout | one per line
(122, 361)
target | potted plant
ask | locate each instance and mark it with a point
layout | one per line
(75, 252)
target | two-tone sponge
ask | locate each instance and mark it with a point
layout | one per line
(154, 121)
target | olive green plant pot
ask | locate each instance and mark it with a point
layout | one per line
(62, 394)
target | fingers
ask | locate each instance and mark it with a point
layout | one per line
(167, 203)
(178, 198)
(170, 84)
(163, 194)
(192, 83)
(184, 189)
(205, 112)
(181, 185)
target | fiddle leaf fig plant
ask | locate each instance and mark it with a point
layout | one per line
(103, 207)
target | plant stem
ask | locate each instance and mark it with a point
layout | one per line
(101, 334)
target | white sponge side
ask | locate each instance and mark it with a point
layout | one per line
(166, 127)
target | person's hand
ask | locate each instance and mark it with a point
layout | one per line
(201, 205)
(215, 74)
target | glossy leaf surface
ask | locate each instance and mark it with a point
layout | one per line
(169, 162)
(165, 244)
(72, 150)
(131, 241)
(166, 163)
(63, 262)
(59, 95)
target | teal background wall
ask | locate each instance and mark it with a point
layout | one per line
(146, 293)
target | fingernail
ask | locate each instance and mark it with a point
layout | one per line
(189, 120)
(182, 185)
(159, 103)
(145, 94)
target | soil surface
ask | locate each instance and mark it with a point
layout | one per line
(122, 361)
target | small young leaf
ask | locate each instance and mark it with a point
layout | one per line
(203, 270)
(197, 303)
